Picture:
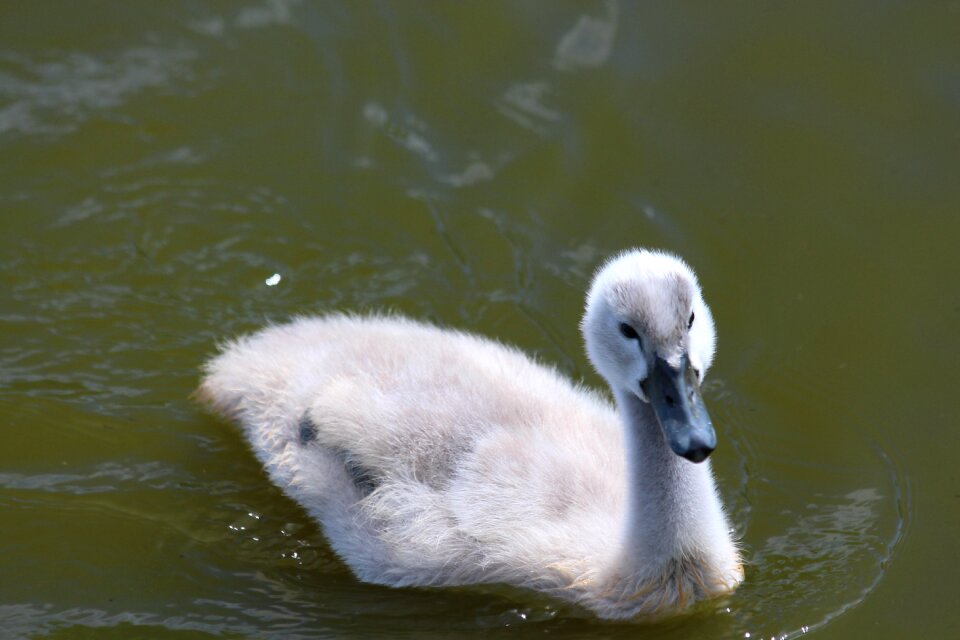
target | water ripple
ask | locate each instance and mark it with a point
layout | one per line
(54, 96)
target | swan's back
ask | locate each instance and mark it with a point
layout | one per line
(429, 456)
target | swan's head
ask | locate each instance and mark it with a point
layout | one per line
(650, 334)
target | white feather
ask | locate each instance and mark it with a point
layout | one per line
(436, 457)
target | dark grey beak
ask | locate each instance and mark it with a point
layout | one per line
(675, 396)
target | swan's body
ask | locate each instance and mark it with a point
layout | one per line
(434, 457)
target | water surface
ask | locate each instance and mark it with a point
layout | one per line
(176, 173)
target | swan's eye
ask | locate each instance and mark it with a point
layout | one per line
(628, 331)
(690, 321)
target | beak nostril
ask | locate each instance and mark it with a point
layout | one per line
(698, 455)
(671, 402)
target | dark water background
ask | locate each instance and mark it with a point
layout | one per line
(471, 163)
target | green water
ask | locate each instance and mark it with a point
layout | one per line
(471, 163)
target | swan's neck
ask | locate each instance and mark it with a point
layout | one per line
(673, 511)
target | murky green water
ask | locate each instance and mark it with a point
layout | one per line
(471, 163)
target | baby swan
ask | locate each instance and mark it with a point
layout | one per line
(436, 457)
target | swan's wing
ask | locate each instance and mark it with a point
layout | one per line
(429, 441)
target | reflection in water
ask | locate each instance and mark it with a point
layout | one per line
(523, 103)
(831, 555)
(104, 477)
(28, 620)
(55, 97)
(824, 557)
(256, 16)
(589, 42)
(823, 536)
(818, 535)
(413, 135)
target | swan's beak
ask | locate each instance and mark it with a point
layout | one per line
(675, 396)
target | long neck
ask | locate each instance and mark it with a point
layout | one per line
(672, 506)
